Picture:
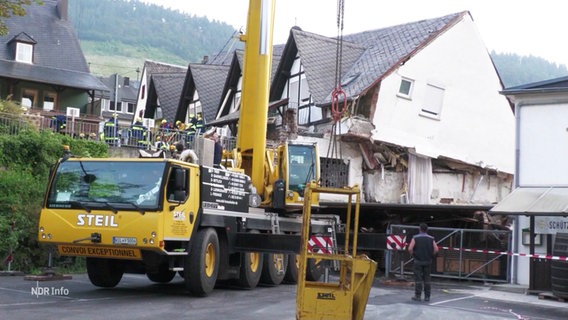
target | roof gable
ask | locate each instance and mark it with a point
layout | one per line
(318, 56)
(168, 87)
(389, 47)
(23, 37)
(367, 56)
(209, 81)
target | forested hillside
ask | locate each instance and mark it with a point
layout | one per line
(516, 70)
(118, 35)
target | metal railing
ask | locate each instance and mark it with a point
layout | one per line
(460, 261)
(93, 129)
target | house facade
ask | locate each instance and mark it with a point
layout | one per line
(120, 100)
(424, 122)
(42, 66)
(539, 202)
(159, 92)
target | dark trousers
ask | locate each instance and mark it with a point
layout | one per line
(422, 279)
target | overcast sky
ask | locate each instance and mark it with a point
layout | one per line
(523, 27)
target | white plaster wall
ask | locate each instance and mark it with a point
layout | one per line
(141, 101)
(468, 188)
(476, 124)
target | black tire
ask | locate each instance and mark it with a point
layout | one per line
(274, 268)
(251, 269)
(559, 269)
(292, 269)
(105, 273)
(314, 269)
(164, 275)
(201, 265)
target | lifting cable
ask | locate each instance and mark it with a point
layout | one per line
(338, 96)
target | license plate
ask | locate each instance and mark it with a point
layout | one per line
(123, 240)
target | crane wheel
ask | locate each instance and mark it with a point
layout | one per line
(274, 268)
(292, 269)
(201, 265)
(164, 274)
(104, 273)
(251, 268)
(314, 270)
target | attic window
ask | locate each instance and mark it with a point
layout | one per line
(405, 89)
(24, 52)
(433, 102)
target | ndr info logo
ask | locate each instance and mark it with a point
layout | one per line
(49, 291)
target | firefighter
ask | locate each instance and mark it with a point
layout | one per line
(161, 145)
(199, 123)
(58, 123)
(110, 131)
(190, 130)
(138, 133)
(180, 126)
(165, 126)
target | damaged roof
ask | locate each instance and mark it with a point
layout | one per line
(367, 57)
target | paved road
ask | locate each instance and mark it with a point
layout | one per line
(138, 298)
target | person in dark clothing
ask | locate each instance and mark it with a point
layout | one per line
(422, 248)
(218, 153)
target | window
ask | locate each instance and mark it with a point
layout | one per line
(177, 189)
(433, 101)
(405, 89)
(105, 104)
(115, 107)
(49, 99)
(130, 107)
(298, 92)
(24, 52)
(29, 98)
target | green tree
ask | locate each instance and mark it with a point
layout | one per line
(10, 8)
(26, 156)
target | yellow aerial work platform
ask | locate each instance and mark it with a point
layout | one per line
(347, 298)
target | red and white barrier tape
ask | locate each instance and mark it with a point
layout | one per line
(536, 256)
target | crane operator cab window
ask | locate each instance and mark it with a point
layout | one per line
(302, 167)
(178, 185)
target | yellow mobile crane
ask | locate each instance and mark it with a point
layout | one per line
(158, 216)
(281, 174)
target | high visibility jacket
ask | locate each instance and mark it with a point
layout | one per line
(110, 132)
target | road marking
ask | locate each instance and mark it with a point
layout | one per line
(452, 300)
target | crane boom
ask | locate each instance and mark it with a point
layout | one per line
(251, 137)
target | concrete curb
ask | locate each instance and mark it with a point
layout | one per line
(11, 273)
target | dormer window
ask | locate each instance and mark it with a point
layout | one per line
(24, 52)
(23, 48)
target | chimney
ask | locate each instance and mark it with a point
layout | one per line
(205, 59)
(62, 9)
(126, 81)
